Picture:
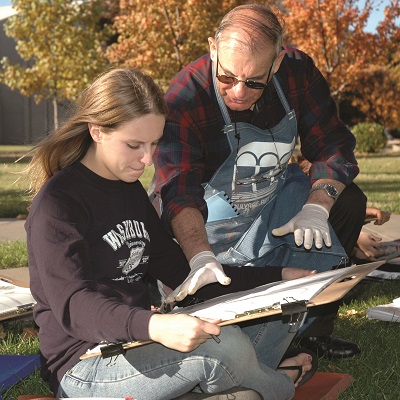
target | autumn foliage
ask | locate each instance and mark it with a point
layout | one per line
(164, 35)
(356, 63)
(60, 44)
(64, 45)
(161, 36)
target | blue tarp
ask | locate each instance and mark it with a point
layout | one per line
(14, 368)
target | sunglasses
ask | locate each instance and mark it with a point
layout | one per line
(230, 80)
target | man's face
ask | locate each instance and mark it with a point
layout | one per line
(237, 62)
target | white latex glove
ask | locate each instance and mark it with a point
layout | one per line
(311, 223)
(204, 269)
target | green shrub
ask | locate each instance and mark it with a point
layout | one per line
(13, 254)
(370, 137)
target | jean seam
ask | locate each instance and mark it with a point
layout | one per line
(80, 381)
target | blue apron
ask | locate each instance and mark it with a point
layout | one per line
(242, 214)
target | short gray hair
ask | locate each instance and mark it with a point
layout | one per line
(265, 23)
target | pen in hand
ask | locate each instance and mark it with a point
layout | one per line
(216, 338)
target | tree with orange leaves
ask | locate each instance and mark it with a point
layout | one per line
(351, 59)
(161, 36)
(332, 32)
(377, 86)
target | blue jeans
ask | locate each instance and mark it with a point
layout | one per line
(245, 357)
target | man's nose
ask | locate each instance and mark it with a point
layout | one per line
(240, 89)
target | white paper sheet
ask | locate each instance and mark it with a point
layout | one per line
(392, 251)
(272, 295)
(386, 312)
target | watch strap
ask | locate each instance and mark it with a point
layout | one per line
(330, 190)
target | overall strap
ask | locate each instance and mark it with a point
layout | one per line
(281, 94)
(221, 103)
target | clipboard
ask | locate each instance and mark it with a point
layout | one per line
(339, 283)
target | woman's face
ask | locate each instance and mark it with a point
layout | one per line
(124, 153)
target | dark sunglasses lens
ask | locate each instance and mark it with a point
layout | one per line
(255, 85)
(226, 79)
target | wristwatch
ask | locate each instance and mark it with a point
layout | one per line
(330, 190)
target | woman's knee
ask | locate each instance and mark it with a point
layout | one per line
(234, 347)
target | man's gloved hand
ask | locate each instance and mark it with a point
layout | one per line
(204, 269)
(311, 223)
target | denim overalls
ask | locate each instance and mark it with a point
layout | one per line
(242, 216)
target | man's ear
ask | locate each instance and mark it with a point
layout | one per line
(213, 48)
(278, 61)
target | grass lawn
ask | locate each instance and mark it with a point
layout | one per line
(376, 371)
(380, 180)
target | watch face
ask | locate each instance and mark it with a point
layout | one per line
(331, 190)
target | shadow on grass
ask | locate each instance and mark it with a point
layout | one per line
(363, 156)
(11, 159)
(378, 187)
(13, 203)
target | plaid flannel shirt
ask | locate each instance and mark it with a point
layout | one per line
(194, 145)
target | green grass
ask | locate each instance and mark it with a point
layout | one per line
(13, 150)
(376, 371)
(14, 185)
(13, 188)
(380, 180)
(13, 254)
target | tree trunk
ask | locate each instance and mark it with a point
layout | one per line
(55, 111)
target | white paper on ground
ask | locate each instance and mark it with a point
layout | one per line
(14, 298)
(392, 250)
(392, 255)
(386, 312)
(384, 274)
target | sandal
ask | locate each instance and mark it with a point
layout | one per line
(295, 351)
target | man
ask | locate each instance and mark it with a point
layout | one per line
(224, 184)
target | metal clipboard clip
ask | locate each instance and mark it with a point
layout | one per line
(275, 306)
(294, 312)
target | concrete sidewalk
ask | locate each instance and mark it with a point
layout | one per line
(13, 229)
(389, 231)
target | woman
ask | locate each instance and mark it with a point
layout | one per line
(92, 237)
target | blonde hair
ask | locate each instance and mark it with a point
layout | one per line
(259, 21)
(115, 97)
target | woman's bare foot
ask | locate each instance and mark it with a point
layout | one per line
(297, 366)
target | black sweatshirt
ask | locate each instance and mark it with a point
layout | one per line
(90, 242)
